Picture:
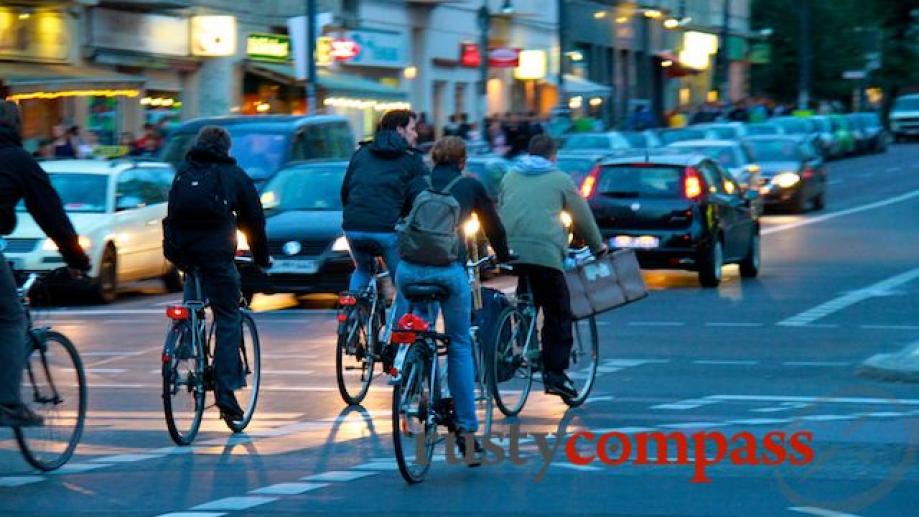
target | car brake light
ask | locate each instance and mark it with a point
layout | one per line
(692, 184)
(589, 185)
(177, 312)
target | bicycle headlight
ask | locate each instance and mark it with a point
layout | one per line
(471, 227)
(341, 244)
(566, 219)
(242, 243)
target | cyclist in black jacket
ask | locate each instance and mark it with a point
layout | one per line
(22, 178)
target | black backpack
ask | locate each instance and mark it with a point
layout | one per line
(197, 200)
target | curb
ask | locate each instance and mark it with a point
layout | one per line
(902, 366)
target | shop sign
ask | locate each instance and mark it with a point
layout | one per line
(760, 53)
(497, 57)
(213, 36)
(268, 47)
(378, 48)
(136, 32)
(329, 50)
(532, 65)
(44, 36)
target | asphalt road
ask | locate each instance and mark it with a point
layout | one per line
(778, 353)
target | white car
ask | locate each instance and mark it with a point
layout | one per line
(117, 208)
(904, 117)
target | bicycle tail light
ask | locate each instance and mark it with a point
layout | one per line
(177, 312)
(347, 300)
(405, 332)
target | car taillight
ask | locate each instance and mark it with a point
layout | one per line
(692, 184)
(589, 185)
(177, 312)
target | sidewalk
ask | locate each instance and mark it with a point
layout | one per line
(900, 366)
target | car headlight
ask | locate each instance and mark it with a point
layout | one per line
(269, 200)
(786, 179)
(242, 243)
(341, 244)
(49, 244)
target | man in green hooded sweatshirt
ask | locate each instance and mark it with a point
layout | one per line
(533, 195)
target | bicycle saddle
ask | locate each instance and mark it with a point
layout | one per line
(425, 292)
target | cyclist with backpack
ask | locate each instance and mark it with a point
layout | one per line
(433, 252)
(210, 197)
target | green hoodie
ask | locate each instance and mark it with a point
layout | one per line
(533, 195)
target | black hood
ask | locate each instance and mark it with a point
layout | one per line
(9, 138)
(209, 154)
(388, 144)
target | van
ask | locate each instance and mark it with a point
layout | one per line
(263, 144)
(904, 117)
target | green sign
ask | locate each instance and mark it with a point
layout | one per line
(737, 48)
(761, 53)
(268, 47)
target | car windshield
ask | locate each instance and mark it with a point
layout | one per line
(577, 168)
(906, 104)
(626, 181)
(257, 152)
(775, 150)
(669, 136)
(305, 188)
(723, 154)
(724, 133)
(762, 129)
(80, 193)
(588, 142)
(793, 126)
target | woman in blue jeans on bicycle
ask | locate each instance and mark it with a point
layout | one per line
(449, 156)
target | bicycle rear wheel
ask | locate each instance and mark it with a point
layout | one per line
(354, 359)
(54, 386)
(585, 354)
(414, 433)
(251, 363)
(511, 374)
(183, 384)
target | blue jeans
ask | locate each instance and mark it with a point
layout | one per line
(363, 263)
(457, 309)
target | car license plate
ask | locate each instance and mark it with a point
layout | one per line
(628, 241)
(304, 267)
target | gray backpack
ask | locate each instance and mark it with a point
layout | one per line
(428, 235)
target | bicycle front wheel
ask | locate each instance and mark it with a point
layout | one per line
(54, 386)
(354, 359)
(511, 374)
(183, 384)
(251, 373)
(413, 432)
(585, 354)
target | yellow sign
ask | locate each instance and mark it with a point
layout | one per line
(271, 47)
(324, 51)
(213, 36)
(41, 36)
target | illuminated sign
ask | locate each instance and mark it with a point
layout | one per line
(268, 47)
(532, 65)
(497, 57)
(213, 36)
(698, 47)
(344, 50)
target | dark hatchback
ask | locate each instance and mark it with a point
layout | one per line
(677, 212)
(793, 172)
(263, 144)
(303, 212)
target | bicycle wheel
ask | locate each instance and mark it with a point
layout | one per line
(413, 430)
(354, 358)
(250, 364)
(183, 384)
(54, 386)
(585, 353)
(511, 374)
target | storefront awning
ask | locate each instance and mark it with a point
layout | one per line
(335, 83)
(28, 81)
(575, 86)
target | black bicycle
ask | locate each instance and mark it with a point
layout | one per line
(187, 370)
(54, 386)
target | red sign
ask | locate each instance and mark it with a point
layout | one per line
(343, 50)
(497, 57)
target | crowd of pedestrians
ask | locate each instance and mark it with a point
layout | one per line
(506, 135)
(75, 142)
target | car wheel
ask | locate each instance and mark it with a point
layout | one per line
(820, 201)
(749, 266)
(710, 265)
(106, 284)
(799, 205)
(173, 280)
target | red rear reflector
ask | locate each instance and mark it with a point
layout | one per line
(401, 337)
(393, 372)
(167, 358)
(177, 312)
(346, 300)
(692, 184)
(589, 185)
(342, 317)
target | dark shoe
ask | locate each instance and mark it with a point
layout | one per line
(229, 408)
(558, 383)
(19, 415)
(461, 435)
(388, 355)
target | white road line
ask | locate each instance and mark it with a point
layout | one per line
(883, 414)
(820, 512)
(760, 421)
(235, 503)
(288, 488)
(827, 418)
(890, 327)
(625, 430)
(125, 458)
(119, 353)
(602, 398)
(192, 514)
(656, 323)
(726, 362)
(693, 425)
(572, 466)
(837, 304)
(76, 468)
(840, 213)
(15, 481)
(338, 476)
(835, 182)
(815, 363)
(839, 400)
(734, 324)
(378, 465)
(686, 404)
(627, 363)
(101, 370)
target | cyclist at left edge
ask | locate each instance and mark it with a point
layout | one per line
(22, 178)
